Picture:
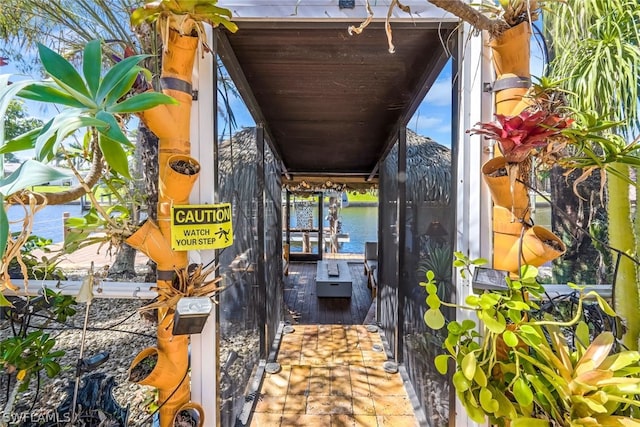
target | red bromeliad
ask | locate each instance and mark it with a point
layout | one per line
(518, 135)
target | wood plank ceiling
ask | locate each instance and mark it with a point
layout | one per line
(331, 103)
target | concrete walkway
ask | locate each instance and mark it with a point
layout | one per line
(332, 376)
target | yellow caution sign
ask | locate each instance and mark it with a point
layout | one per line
(196, 227)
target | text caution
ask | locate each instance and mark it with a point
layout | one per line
(196, 227)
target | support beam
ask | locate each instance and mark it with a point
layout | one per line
(204, 346)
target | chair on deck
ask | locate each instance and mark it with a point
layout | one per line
(371, 264)
(285, 258)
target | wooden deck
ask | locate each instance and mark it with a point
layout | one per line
(307, 309)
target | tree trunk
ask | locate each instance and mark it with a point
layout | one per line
(585, 260)
(621, 237)
(124, 266)
(468, 14)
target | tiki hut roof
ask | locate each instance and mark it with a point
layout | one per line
(428, 169)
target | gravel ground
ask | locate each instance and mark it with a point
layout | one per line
(119, 330)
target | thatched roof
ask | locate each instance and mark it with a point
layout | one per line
(428, 169)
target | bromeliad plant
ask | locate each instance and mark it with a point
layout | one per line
(513, 367)
(517, 136)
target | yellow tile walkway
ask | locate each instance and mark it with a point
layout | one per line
(332, 376)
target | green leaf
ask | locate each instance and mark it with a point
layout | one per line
(431, 288)
(4, 302)
(475, 413)
(112, 130)
(604, 305)
(123, 87)
(529, 422)
(4, 235)
(430, 275)
(496, 326)
(115, 76)
(460, 382)
(48, 92)
(114, 155)
(510, 338)
(433, 301)
(479, 261)
(434, 319)
(441, 362)
(60, 127)
(455, 328)
(522, 392)
(92, 65)
(468, 365)
(61, 70)
(29, 173)
(480, 378)
(487, 402)
(26, 141)
(468, 324)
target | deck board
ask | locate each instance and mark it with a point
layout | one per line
(300, 297)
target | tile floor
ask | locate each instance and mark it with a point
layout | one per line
(332, 376)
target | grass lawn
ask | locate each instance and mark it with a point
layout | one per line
(362, 198)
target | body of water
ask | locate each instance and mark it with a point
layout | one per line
(360, 223)
(48, 222)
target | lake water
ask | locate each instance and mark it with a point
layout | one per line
(48, 222)
(360, 222)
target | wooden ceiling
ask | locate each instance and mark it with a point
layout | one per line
(331, 103)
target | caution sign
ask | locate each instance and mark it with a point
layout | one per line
(201, 227)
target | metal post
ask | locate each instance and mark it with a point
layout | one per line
(401, 225)
(261, 258)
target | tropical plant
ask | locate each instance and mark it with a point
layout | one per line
(517, 368)
(518, 135)
(29, 352)
(596, 48)
(92, 101)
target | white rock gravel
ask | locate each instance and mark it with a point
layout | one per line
(126, 333)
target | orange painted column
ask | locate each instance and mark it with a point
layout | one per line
(514, 242)
(171, 123)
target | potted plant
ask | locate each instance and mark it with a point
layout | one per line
(517, 370)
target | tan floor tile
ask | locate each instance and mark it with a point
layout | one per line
(320, 380)
(371, 357)
(259, 419)
(299, 379)
(306, 421)
(276, 384)
(340, 381)
(270, 404)
(390, 388)
(288, 357)
(397, 421)
(345, 356)
(310, 329)
(359, 381)
(363, 405)
(393, 405)
(343, 420)
(315, 357)
(365, 344)
(295, 404)
(366, 420)
(329, 405)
